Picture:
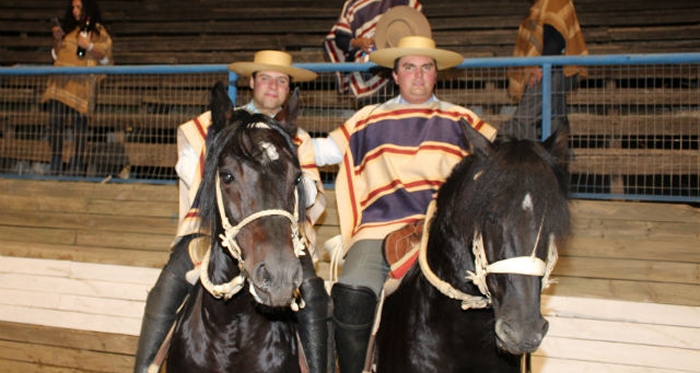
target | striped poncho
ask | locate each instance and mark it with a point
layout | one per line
(529, 43)
(358, 19)
(396, 158)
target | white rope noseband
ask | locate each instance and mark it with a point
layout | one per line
(522, 265)
(228, 240)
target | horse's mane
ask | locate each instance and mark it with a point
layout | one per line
(481, 187)
(240, 138)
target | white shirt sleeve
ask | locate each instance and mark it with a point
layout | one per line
(310, 191)
(187, 160)
(326, 151)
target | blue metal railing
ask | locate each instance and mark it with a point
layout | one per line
(546, 63)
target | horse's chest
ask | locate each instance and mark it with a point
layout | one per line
(233, 336)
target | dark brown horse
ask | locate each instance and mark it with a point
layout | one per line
(238, 317)
(471, 303)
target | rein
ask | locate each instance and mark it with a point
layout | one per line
(468, 300)
(228, 240)
(523, 265)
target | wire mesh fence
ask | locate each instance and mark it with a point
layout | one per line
(635, 125)
(130, 131)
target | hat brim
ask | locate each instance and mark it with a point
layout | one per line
(397, 22)
(248, 68)
(444, 58)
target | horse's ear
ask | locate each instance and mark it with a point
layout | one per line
(220, 105)
(287, 117)
(558, 144)
(478, 144)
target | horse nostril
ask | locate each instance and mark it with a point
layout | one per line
(507, 333)
(262, 276)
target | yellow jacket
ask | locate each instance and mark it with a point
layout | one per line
(78, 91)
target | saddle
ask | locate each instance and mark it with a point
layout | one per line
(401, 248)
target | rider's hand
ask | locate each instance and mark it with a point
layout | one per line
(535, 77)
(366, 44)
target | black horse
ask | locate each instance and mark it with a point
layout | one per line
(491, 245)
(238, 317)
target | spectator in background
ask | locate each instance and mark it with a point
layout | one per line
(352, 39)
(551, 29)
(393, 159)
(70, 98)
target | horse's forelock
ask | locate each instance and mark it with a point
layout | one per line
(250, 139)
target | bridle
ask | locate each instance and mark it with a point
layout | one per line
(228, 240)
(523, 265)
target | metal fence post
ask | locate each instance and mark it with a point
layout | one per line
(546, 100)
(232, 90)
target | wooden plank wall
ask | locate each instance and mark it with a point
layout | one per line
(601, 335)
(77, 260)
(63, 315)
(127, 224)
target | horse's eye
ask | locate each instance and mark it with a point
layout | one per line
(226, 177)
(297, 180)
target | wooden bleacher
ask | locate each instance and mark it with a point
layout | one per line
(217, 31)
(222, 31)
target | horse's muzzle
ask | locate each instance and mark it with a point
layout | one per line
(521, 338)
(275, 285)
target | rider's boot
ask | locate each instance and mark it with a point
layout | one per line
(314, 326)
(353, 316)
(161, 310)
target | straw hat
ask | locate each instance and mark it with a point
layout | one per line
(416, 46)
(397, 22)
(272, 61)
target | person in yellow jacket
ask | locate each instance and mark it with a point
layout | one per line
(79, 39)
(271, 75)
(550, 29)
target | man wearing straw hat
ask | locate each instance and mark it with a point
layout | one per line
(393, 159)
(271, 75)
